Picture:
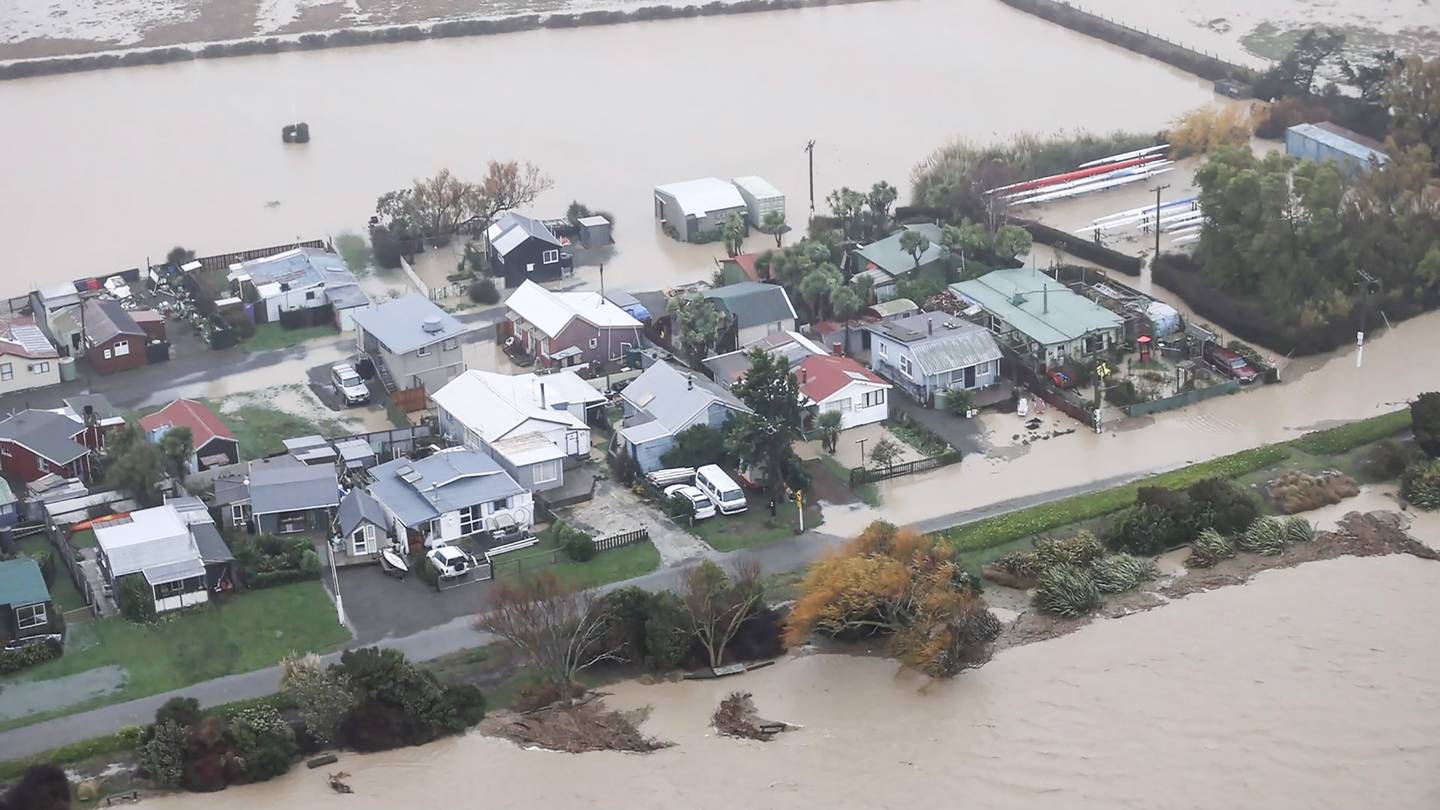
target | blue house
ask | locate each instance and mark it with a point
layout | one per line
(662, 402)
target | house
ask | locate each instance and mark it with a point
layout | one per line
(831, 382)
(363, 529)
(662, 402)
(25, 606)
(1037, 315)
(9, 505)
(693, 209)
(563, 329)
(726, 369)
(494, 412)
(215, 445)
(446, 496)
(885, 261)
(1350, 151)
(156, 545)
(760, 198)
(525, 249)
(113, 341)
(931, 352)
(27, 358)
(57, 313)
(757, 310)
(305, 286)
(35, 443)
(230, 502)
(288, 497)
(214, 552)
(414, 343)
(736, 269)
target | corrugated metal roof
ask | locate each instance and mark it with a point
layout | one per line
(286, 485)
(148, 538)
(753, 303)
(356, 507)
(702, 195)
(21, 583)
(400, 324)
(443, 482)
(1038, 306)
(674, 398)
(46, 433)
(888, 255)
(758, 187)
(175, 571)
(552, 311)
(1342, 139)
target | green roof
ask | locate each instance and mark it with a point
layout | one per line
(1037, 305)
(887, 255)
(21, 583)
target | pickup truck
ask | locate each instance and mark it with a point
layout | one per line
(1232, 364)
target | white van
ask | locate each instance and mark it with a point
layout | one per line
(722, 489)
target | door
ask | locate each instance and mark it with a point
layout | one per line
(969, 376)
(572, 443)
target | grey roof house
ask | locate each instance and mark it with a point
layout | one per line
(885, 261)
(447, 496)
(728, 368)
(662, 402)
(414, 343)
(1039, 315)
(363, 529)
(756, 309)
(525, 249)
(157, 545)
(25, 606)
(215, 554)
(300, 279)
(288, 497)
(931, 352)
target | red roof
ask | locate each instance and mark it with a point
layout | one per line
(202, 421)
(821, 375)
(746, 262)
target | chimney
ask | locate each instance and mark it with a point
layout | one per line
(804, 376)
(930, 323)
(836, 349)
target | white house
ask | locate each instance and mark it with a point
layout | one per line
(692, 208)
(833, 383)
(299, 279)
(156, 544)
(757, 310)
(27, 358)
(447, 496)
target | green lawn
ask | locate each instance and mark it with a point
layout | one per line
(84, 538)
(261, 430)
(272, 336)
(605, 567)
(755, 526)
(62, 591)
(247, 632)
(866, 492)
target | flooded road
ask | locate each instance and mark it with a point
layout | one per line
(118, 166)
(1260, 695)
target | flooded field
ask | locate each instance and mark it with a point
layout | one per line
(1260, 695)
(191, 153)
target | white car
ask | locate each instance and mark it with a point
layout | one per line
(449, 561)
(699, 501)
(348, 385)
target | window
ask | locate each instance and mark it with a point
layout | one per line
(31, 616)
(546, 471)
(310, 295)
(550, 256)
(450, 344)
(122, 348)
(423, 351)
(873, 398)
(471, 520)
(843, 405)
(7, 370)
(292, 522)
(40, 368)
(238, 514)
(906, 367)
(107, 356)
(529, 267)
(882, 348)
(594, 342)
(168, 589)
(362, 539)
(503, 503)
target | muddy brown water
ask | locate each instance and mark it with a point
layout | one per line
(1260, 695)
(107, 169)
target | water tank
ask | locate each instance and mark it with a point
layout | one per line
(67, 369)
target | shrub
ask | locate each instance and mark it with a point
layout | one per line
(1121, 572)
(137, 601)
(576, 544)
(264, 742)
(484, 292)
(1265, 536)
(1425, 418)
(44, 786)
(162, 757)
(182, 711)
(1206, 129)
(1231, 508)
(1297, 491)
(1067, 591)
(29, 656)
(310, 563)
(959, 401)
(679, 508)
(1298, 530)
(1386, 460)
(398, 704)
(321, 695)
(1147, 529)
(210, 759)
(1080, 550)
(1210, 547)
(270, 579)
(1420, 485)
(1123, 393)
(45, 558)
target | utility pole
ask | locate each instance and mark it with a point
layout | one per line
(1157, 189)
(1370, 284)
(810, 150)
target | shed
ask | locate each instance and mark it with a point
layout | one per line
(760, 198)
(693, 208)
(356, 454)
(595, 232)
(1352, 151)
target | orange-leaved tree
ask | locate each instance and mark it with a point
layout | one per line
(904, 585)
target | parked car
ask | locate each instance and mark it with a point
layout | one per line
(699, 502)
(450, 562)
(1232, 364)
(348, 385)
(722, 489)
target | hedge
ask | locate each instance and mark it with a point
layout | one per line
(1086, 249)
(269, 579)
(29, 656)
(1345, 438)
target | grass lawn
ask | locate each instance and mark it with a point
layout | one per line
(866, 492)
(85, 538)
(755, 527)
(62, 591)
(605, 567)
(272, 336)
(261, 430)
(250, 631)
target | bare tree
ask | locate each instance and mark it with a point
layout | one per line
(717, 604)
(558, 629)
(439, 204)
(508, 186)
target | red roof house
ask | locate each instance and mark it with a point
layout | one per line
(215, 445)
(834, 383)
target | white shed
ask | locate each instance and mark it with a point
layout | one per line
(760, 198)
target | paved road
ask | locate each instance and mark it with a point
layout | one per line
(786, 555)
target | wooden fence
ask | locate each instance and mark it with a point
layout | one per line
(865, 475)
(614, 541)
(530, 562)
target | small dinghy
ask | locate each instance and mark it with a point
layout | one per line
(394, 564)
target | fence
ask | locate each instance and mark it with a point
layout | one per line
(865, 475)
(222, 261)
(415, 279)
(614, 541)
(1182, 399)
(551, 556)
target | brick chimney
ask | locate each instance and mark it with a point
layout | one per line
(836, 349)
(804, 376)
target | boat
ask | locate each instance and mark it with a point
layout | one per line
(1071, 175)
(1024, 196)
(1125, 155)
(1075, 192)
(393, 563)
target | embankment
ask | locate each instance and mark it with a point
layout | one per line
(1201, 64)
(350, 37)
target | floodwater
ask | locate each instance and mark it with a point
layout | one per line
(1262, 695)
(107, 169)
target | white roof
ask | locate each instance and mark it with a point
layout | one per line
(759, 187)
(527, 449)
(147, 539)
(507, 242)
(701, 196)
(495, 405)
(552, 311)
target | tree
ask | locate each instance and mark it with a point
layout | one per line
(828, 426)
(1414, 97)
(1373, 79)
(132, 464)
(558, 629)
(846, 204)
(903, 585)
(915, 244)
(845, 304)
(965, 239)
(699, 323)
(177, 445)
(441, 205)
(716, 605)
(816, 287)
(763, 437)
(733, 229)
(885, 453)
(508, 185)
(399, 704)
(42, 787)
(179, 255)
(882, 195)
(1294, 75)
(696, 446)
(321, 695)
(1012, 241)
(774, 223)
(1425, 417)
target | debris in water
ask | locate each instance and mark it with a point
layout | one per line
(337, 782)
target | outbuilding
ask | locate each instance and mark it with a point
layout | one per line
(1352, 151)
(761, 198)
(692, 209)
(113, 340)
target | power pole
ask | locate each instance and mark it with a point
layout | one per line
(1370, 285)
(1157, 190)
(810, 150)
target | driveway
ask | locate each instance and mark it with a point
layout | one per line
(378, 606)
(615, 509)
(962, 433)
